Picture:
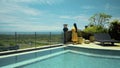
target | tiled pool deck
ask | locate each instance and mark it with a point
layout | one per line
(96, 46)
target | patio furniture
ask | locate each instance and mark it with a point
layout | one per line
(104, 37)
(7, 48)
(13, 47)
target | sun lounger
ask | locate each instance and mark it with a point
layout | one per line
(104, 37)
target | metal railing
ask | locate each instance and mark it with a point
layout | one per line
(21, 40)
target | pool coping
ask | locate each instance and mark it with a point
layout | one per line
(33, 60)
(88, 46)
(28, 49)
(55, 54)
(23, 56)
(78, 47)
(95, 50)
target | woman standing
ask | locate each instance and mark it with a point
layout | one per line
(65, 29)
(74, 34)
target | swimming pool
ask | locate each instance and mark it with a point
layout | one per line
(70, 57)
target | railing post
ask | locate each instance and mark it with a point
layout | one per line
(35, 39)
(15, 38)
(50, 38)
(62, 37)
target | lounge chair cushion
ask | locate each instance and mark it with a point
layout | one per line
(104, 37)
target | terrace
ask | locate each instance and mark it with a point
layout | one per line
(34, 41)
(96, 46)
(24, 45)
(52, 44)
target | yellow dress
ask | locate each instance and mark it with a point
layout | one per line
(74, 35)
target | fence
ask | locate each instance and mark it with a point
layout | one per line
(21, 40)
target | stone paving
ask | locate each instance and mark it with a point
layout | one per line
(97, 46)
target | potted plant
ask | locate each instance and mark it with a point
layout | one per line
(80, 38)
(91, 37)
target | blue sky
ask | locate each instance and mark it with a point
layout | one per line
(50, 15)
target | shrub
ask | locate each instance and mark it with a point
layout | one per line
(91, 30)
(114, 29)
(79, 33)
(12, 44)
(1, 44)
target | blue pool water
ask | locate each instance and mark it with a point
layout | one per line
(73, 59)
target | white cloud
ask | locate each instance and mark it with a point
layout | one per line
(6, 19)
(115, 18)
(87, 7)
(15, 8)
(14, 13)
(29, 27)
(17, 15)
(65, 17)
(81, 17)
(81, 20)
(47, 2)
(78, 18)
(109, 7)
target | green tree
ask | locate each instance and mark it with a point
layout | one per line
(100, 19)
(114, 29)
(94, 29)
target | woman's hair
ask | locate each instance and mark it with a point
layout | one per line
(75, 26)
